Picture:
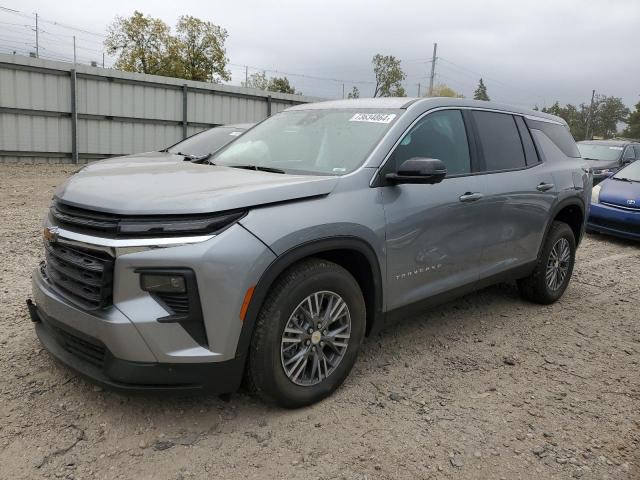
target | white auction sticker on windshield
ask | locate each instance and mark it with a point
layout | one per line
(373, 117)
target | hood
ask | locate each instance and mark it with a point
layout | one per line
(600, 164)
(624, 194)
(163, 183)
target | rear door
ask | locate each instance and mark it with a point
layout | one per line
(519, 191)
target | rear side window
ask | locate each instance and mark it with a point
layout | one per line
(637, 148)
(440, 135)
(499, 141)
(558, 134)
(527, 142)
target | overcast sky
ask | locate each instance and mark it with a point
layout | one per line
(529, 53)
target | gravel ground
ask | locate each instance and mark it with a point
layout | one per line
(488, 386)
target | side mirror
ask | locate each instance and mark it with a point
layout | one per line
(418, 170)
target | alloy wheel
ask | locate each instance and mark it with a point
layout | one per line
(315, 338)
(558, 264)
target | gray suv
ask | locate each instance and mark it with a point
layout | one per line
(606, 157)
(271, 261)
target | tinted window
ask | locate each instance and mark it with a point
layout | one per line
(527, 142)
(440, 135)
(629, 154)
(558, 134)
(499, 140)
(637, 148)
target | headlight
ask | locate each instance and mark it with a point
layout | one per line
(595, 194)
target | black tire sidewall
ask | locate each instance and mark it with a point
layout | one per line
(330, 278)
(558, 231)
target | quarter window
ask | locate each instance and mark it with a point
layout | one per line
(499, 141)
(440, 135)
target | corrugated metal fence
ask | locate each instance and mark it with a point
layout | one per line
(52, 112)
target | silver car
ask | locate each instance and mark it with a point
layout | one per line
(271, 260)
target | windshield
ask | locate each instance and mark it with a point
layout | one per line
(206, 142)
(632, 172)
(320, 142)
(599, 152)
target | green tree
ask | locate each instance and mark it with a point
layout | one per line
(633, 124)
(481, 92)
(281, 84)
(443, 90)
(257, 80)
(141, 43)
(199, 52)
(354, 93)
(607, 113)
(389, 76)
(146, 45)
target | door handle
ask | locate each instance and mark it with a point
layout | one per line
(470, 197)
(543, 187)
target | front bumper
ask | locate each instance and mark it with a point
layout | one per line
(91, 359)
(139, 351)
(614, 221)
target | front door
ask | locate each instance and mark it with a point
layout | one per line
(434, 233)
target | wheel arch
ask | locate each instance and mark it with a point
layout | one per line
(352, 253)
(570, 211)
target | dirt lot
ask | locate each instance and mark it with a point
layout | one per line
(485, 387)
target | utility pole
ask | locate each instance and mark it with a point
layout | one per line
(343, 91)
(74, 50)
(102, 59)
(418, 89)
(586, 134)
(433, 68)
(246, 75)
(37, 39)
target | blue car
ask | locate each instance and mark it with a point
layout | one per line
(615, 204)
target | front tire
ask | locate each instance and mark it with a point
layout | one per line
(553, 270)
(307, 335)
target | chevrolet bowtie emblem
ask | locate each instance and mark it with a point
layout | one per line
(50, 234)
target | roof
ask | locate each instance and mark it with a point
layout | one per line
(238, 126)
(380, 102)
(611, 142)
(432, 102)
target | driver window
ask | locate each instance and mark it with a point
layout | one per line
(440, 135)
(629, 154)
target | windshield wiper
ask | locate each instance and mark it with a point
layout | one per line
(194, 158)
(623, 179)
(258, 168)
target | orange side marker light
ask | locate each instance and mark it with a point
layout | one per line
(245, 302)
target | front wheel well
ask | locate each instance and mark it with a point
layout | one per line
(357, 264)
(573, 216)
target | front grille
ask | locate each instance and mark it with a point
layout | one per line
(84, 277)
(92, 352)
(615, 225)
(112, 225)
(178, 303)
(632, 208)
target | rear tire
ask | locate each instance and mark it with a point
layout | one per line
(554, 267)
(311, 359)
